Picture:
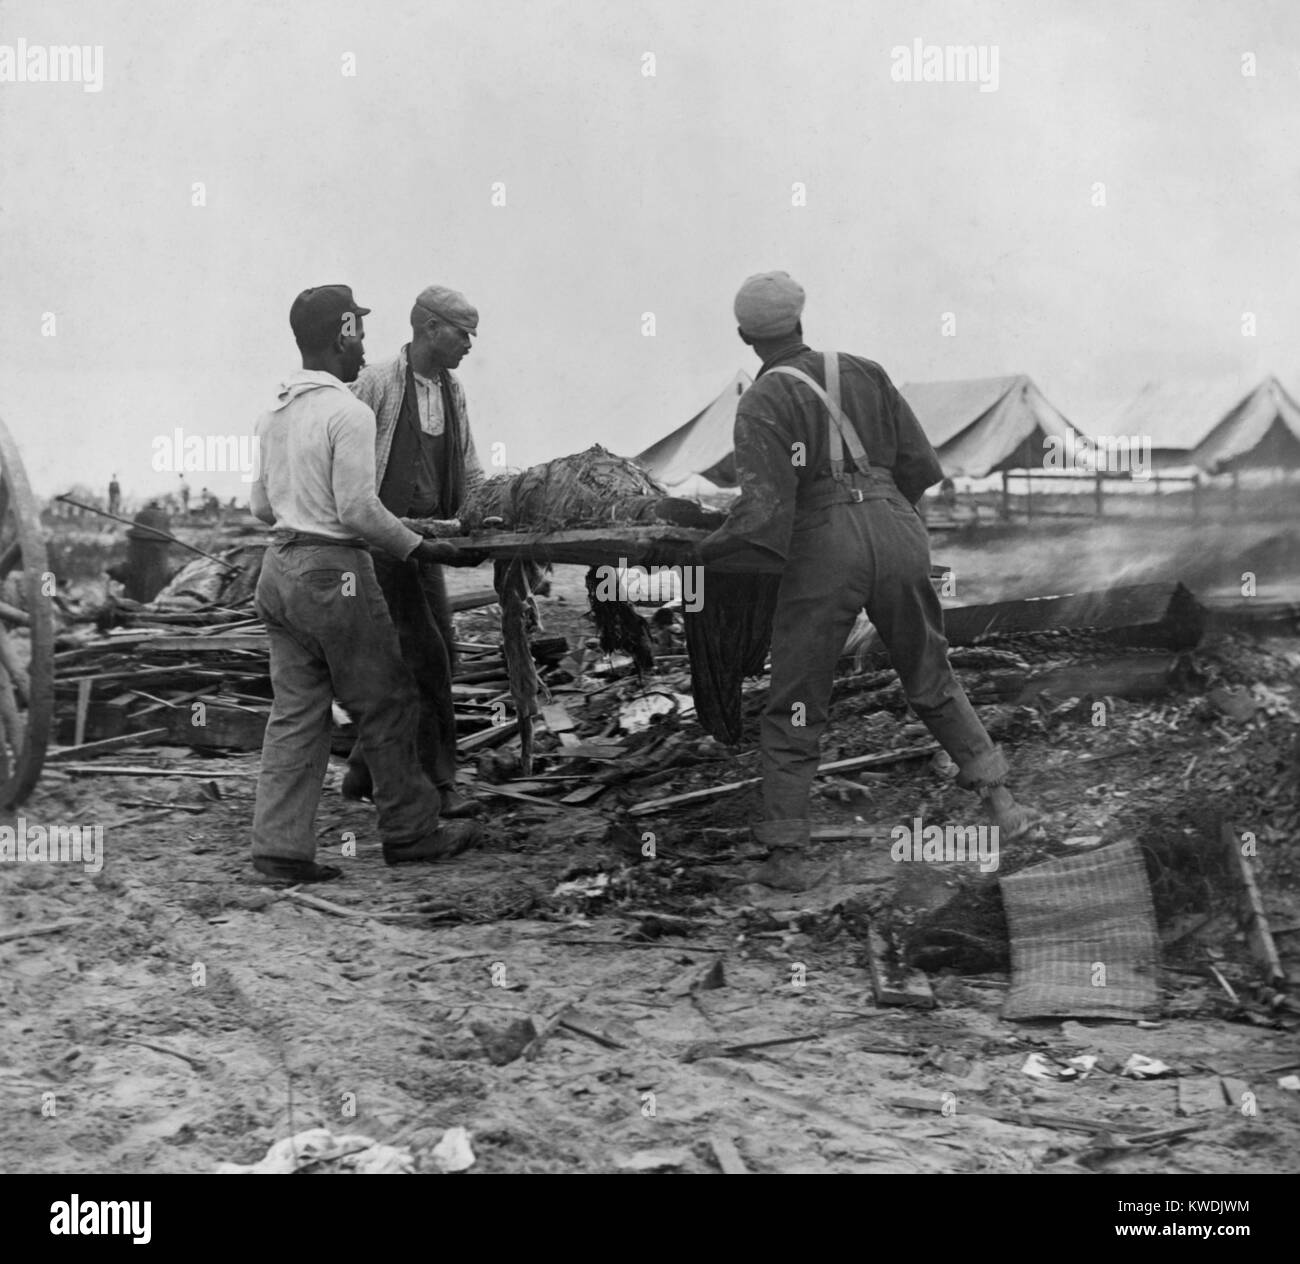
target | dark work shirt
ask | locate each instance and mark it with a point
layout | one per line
(778, 412)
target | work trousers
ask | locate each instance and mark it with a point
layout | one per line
(331, 637)
(416, 595)
(846, 556)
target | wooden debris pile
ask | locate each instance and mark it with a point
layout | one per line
(210, 688)
(192, 668)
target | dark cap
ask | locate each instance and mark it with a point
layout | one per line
(317, 313)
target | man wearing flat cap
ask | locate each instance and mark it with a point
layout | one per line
(831, 463)
(328, 626)
(425, 465)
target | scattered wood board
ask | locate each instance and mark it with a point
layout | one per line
(895, 983)
(145, 737)
(1199, 1094)
(839, 765)
(1253, 917)
(217, 643)
(489, 737)
(728, 1157)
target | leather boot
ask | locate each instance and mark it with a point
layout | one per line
(456, 805)
(446, 841)
(786, 868)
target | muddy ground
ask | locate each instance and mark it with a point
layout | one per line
(188, 1015)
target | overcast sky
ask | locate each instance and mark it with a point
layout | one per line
(628, 193)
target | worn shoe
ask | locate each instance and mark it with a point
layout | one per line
(786, 870)
(295, 870)
(446, 841)
(1014, 820)
(357, 784)
(455, 805)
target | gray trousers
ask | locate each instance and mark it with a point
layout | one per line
(416, 595)
(331, 637)
(874, 554)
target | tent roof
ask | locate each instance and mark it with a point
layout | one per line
(1175, 416)
(1214, 424)
(703, 445)
(1268, 419)
(981, 425)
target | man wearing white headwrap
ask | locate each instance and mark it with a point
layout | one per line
(831, 462)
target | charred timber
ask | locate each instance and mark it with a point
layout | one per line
(1165, 616)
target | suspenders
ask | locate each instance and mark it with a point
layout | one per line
(840, 431)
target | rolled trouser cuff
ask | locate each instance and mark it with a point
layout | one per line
(793, 832)
(984, 771)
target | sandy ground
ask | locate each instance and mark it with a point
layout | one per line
(191, 1015)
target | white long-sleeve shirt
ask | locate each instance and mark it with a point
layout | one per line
(316, 449)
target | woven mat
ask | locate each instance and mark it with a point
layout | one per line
(1083, 937)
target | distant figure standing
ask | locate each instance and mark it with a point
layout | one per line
(114, 495)
(185, 495)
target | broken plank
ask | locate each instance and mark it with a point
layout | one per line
(223, 727)
(1236, 1093)
(584, 794)
(1161, 614)
(567, 1024)
(835, 833)
(586, 750)
(258, 641)
(505, 792)
(1023, 1118)
(1199, 1094)
(1258, 934)
(489, 737)
(83, 705)
(892, 980)
(557, 718)
(1129, 676)
(839, 765)
(117, 770)
(133, 673)
(145, 737)
(728, 1157)
(338, 910)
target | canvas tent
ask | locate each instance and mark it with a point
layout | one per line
(1218, 426)
(701, 447)
(978, 427)
(984, 425)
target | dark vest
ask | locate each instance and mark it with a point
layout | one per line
(398, 483)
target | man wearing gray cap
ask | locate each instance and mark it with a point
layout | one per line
(425, 464)
(831, 462)
(329, 631)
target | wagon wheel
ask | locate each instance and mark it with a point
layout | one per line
(26, 632)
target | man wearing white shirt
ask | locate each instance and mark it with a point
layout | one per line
(327, 621)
